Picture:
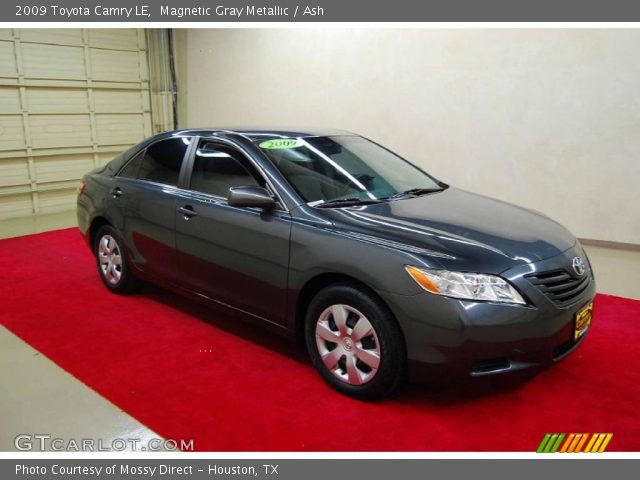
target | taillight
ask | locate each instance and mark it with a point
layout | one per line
(82, 187)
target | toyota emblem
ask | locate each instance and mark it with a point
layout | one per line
(578, 266)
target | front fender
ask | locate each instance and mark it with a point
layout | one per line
(319, 248)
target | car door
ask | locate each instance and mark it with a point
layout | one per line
(236, 256)
(144, 198)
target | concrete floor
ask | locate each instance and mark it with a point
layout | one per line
(38, 397)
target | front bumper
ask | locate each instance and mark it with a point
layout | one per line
(482, 338)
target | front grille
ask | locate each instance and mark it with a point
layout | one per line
(560, 286)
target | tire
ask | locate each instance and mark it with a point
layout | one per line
(112, 261)
(355, 342)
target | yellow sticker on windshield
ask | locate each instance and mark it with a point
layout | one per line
(282, 143)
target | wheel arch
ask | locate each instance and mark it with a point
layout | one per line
(97, 222)
(323, 280)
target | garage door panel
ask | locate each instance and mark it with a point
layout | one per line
(57, 100)
(72, 99)
(7, 60)
(16, 205)
(56, 200)
(59, 167)
(49, 131)
(119, 101)
(53, 61)
(144, 66)
(9, 100)
(104, 158)
(147, 123)
(114, 65)
(11, 132)
(65, 36)
(119, 129)
(146, 100)
(114, 38)
(15, 171)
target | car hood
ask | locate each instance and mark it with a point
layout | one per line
(458, 230)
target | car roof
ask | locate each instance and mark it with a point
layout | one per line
(257, 133)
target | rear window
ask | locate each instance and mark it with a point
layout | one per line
(159, 163)
(116, 164)
(133, 167)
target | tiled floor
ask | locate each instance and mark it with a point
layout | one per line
(38, 397)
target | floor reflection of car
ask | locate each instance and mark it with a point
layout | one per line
(329, 236)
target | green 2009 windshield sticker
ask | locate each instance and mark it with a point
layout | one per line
(282, 143)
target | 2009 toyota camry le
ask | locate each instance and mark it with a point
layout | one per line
(327, 235)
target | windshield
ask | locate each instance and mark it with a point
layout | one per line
(326, 169)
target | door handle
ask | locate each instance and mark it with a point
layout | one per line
(116, 192)
(187, 211)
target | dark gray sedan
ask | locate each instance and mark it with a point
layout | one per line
(326, 235)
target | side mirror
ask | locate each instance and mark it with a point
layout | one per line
(250, 197)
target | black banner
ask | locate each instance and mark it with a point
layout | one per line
(319, 11)
(317, 469)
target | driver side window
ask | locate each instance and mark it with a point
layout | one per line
(218, 167)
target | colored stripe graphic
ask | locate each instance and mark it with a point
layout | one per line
(550, 443)
(574, 443)
(591, 442)
(543, 443)
(605, 443)
(557, 444)
(567, 442)
(581, 443)
(598, 442)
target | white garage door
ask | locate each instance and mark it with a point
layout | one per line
(70, 100)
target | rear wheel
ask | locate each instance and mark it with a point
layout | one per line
(354, 342)
(112, 262)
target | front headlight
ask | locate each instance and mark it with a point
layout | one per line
(466, 286)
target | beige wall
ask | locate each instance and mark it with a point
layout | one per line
(549, 119)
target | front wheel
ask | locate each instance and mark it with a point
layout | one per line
(112, 262)
(354, 342)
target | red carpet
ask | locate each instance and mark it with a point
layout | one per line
(255, 391)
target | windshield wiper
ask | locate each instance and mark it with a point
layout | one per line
(345, 202)
(416, 192)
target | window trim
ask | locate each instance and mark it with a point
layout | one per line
(184, 178)
(215, 145)
(133, 157)
(281, 206)
(142, 151)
